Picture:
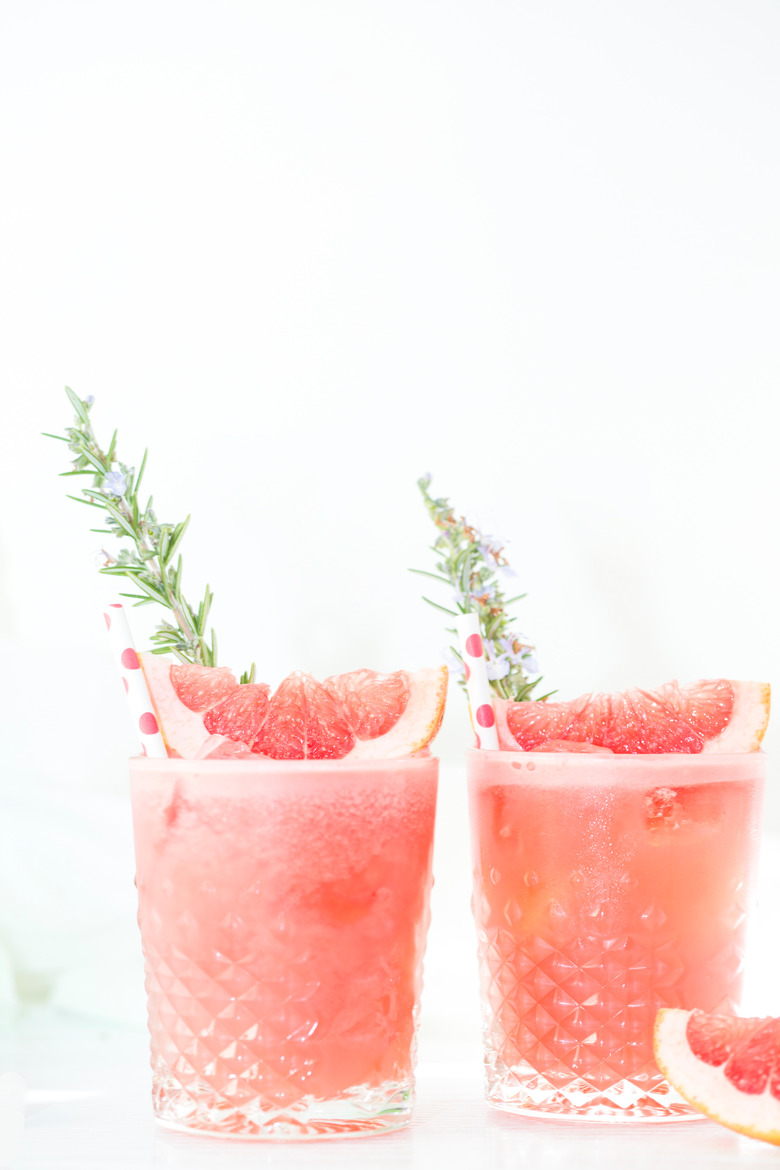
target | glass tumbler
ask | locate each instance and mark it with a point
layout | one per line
(283, 908)
(605, 887)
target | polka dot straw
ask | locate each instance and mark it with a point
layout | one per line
(477, 685)
(132, 676)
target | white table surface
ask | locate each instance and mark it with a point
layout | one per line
(89, 1106)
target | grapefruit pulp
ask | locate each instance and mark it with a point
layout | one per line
(727, 1067)
(712, 715)
(205, 711)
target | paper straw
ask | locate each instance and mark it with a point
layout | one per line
(129, 667)
(472, 651)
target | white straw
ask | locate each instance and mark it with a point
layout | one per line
(472, 651)
(129, 667)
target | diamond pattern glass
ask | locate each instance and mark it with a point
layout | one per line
(593, 912)
(283, 911)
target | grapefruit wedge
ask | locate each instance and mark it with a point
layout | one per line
(712, 715)
(727, 1067)
(204, 712)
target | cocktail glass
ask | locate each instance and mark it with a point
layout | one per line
(283, 908)
(605, 887)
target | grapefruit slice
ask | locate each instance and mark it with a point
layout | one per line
(391, 715)
(194, 702)
(304, 722)
(204, 712)
(370, 701)
(727, 1067)
(712, 715)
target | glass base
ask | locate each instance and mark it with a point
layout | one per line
(358, 1111)
(523, 1091)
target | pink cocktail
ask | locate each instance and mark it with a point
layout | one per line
(283, 908)
(606, 887)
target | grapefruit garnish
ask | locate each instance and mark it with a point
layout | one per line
(241, 713)
(304, 722)
(181, 725)
(712, 715)
(202, 710)
(200, 687)
(372, 703)
(727, 1067)
(417, 718)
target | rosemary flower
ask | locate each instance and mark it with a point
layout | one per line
(473, 565)
(115, 484)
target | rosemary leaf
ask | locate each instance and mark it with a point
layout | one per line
(473, 565)
(152, 545)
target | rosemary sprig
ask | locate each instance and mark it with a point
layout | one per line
(472, 565)
(153, 563)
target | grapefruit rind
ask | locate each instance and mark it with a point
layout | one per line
(506, 741)
(182, 730)
(706, 1087)
(418, 724)
(749, 719)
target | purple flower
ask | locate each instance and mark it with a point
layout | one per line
(115, 484)
(498, 667)
(530, 665)
(514, 656)
(522, 657)
(490, 547)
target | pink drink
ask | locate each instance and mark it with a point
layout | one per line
(283, 908)
(606, 887)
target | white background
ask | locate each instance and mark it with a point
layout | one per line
(307, 251)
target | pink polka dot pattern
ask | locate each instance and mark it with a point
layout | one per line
(148, 724)
(120, 638)
(474, 645)
(485, 716)
(483, 719)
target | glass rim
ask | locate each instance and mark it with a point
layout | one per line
(581, 758)
(243, 766)
(591, 768)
